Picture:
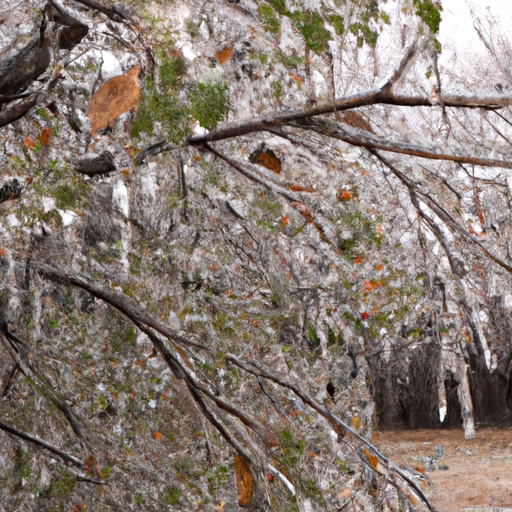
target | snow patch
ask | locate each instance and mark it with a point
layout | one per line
(110, 67)
(188, 52)
(67, 216)
(120, 197)
(12, 221)
(48, 204)
(174, 321)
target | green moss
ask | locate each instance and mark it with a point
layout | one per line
(172, 495)
(166, 109)
(209, 103)
(278, 5)
(52, 219)
(310, 488)
(60, 486)
(53, 323)
(23, 464)
(42, 113)
(135, 262)
(263, 58)
(337, 22)
(268, 18)
(364, 34)
(138, 499)
(172, 70)
(66, 196)
(311, 26)
(291, 61)
(277, 90)
(313, 336)
(162, 104)
(217, 477)
(430, 13)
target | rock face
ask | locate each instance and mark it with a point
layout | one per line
(198, 315)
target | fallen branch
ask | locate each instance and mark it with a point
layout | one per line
(113, 12)
(18, 110)
(39, 442)
(24, 355)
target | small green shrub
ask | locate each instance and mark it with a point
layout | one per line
(69, 195)
(166, 109)
(171, 71)
(337, 22)
(172, 495)
(209, 103)
(429, 13)
(311, 26)
(278, 5)
(268, 18)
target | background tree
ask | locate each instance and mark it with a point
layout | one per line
(255, 227)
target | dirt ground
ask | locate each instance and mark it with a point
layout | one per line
(478, 473)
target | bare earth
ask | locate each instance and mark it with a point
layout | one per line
(479, 470)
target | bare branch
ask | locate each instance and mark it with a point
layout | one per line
(250, 171)
(122, 302)
(113, 12)
(404, 64)
(442, 213)
(39, 442)
(24, 355)
(373, 97)
(368, 140)
(258, 371)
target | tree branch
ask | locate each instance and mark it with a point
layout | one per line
(251, 172)
(442, 213)
(368, 140)
(39, 442)
(256, 370)
(373, 97)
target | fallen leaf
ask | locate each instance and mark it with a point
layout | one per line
(28, 143)
(283, 222)
(267, 159)
(223, 55)
(356, 422)
(372, 459)
(345, 493)
(113, 98)
(296, 78)
(44, 138)
(343, 195)
(364, 316)
(298, 188)
(357, 121)
(372, 284)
